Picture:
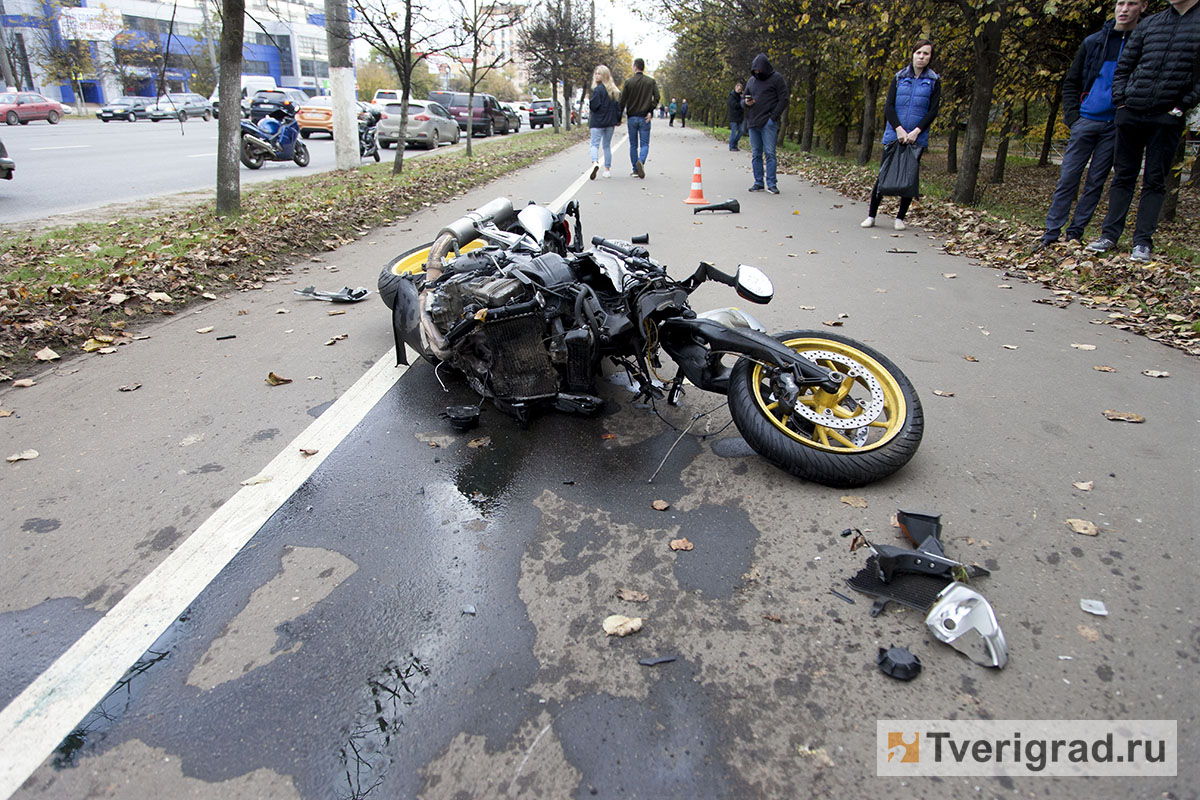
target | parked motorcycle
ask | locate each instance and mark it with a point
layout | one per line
(515, 303)
(276, 137)
(368, 141)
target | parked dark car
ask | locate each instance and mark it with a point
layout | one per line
(181, 106)
(127, 108)
(541, 112)
(514, 118)
(7, 166)
(267, 100)
(484, 117)
(23, 107)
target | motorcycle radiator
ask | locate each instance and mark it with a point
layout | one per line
(521, 368)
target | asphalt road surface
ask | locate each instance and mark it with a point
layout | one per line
(416, 612)
(85, 163)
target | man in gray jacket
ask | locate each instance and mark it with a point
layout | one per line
(766, 100)
(1156, 84)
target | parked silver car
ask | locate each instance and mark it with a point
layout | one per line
(180, 106)
(429, 124)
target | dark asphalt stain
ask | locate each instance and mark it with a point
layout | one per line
(733, 447)
(32, 639)
(162, 540)
(206, 468)
(586, 536)
(1105, 673)
(1077, 552)
(992, 564)
(1053, 558)
(265, 435)
(680, 750)
(39, 525)
(317, 411)
(94, 595)
(724, 540)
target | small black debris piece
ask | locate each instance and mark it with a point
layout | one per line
(462, 418)
(654, 661)
(898, 663)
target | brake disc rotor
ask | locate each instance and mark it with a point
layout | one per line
(869, 408)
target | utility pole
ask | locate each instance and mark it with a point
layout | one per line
(10, 82)
(212, 51)
(341, 80)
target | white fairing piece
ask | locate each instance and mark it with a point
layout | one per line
(963, 619)
(732, 317)
(536, 220)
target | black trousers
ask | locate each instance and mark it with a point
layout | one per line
(1154, 137)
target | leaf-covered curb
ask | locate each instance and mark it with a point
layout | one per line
(76, 288)
(1159, 300)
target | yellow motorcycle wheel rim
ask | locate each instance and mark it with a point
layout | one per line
(414, 263)
(832, 440)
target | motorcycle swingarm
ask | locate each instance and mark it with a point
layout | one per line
(697, 344)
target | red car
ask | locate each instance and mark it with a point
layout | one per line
(23, 107)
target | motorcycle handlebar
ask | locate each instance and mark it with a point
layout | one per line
(623, 248)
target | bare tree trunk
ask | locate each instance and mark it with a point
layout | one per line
(229, 192)
(841, 133)
(987, 60)
(952, 146)
(870, 106)
(810, 107)
(1002, 148)
(341, 79)
(1051, 122)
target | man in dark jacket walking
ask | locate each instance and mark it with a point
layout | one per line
(1088, 111)
(733, 104)
(639, 98)
(765, 100)
(1156, 84)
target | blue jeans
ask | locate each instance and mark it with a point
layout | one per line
(736, 129)
(762, 148)
(602, 136)
(1157, 140)
(639, 139)
(1090, 140)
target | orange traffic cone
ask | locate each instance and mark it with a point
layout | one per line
(696, 198)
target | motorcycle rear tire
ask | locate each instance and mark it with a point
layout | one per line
(822, 454)
(252, 157)
(300, 154)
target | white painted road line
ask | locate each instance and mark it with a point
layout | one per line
(37, 721)
(203, 155)
(62, 147)
(559, 202)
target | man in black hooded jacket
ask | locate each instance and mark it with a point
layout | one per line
(766, 100)
(1156, 84)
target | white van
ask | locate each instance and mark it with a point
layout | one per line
(383, 96)
(250, 85)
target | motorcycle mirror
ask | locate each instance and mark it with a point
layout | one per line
(753, 284)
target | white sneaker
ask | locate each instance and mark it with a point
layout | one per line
(595, 169)
(607, 173)
(869, 222)
(899, 225)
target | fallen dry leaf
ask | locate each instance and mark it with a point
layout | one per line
(633, 596)
(854, 501)
(1083, 526)
(972, 359)
(1123, 416)
(24, 455)
(1091, 634)
(158, 297)
(275, 380)
(257, 479)
(24, 383)
(660, 505)
(6, 412)
(117, 298)
(833, 323)
(807, 308)
(92, 345)
(608, 436)
(773, 618)
(482, 441)
(1103, 368)
(130, 387)
(209, 296)
(46, 354)
(1010, 347)
(621, 625)
(209, 329)
(1004, 286)
(335, 313)
(1155, 373)
(1083, 346)
(949, 275)
(940, 393)
(681, 544)
(1084, 486)
(336, 339)
(308, 451)
(282, 311)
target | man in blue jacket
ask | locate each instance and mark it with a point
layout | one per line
(1156, 84)
(1088, 111)
(766, 100)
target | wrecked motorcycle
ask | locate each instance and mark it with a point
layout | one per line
(516, 303)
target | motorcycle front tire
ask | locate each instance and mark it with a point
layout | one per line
(300, 154)
(832, 455)
(252, 157)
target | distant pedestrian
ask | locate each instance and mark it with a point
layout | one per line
(765, 100)
(1089, 113)
(605, 107)
(1155, 85)
(737, 116)
(638, 98)
(913, 100)
(673, 110)
(683, 112)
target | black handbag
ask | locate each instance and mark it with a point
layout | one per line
(900, 170)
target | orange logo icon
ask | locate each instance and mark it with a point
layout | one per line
(904, 747)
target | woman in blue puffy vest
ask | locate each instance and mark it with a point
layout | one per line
(912, 103)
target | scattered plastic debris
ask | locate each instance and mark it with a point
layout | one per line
(1096, 607)
(343, 295)
(654, 661)
(898, 663)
